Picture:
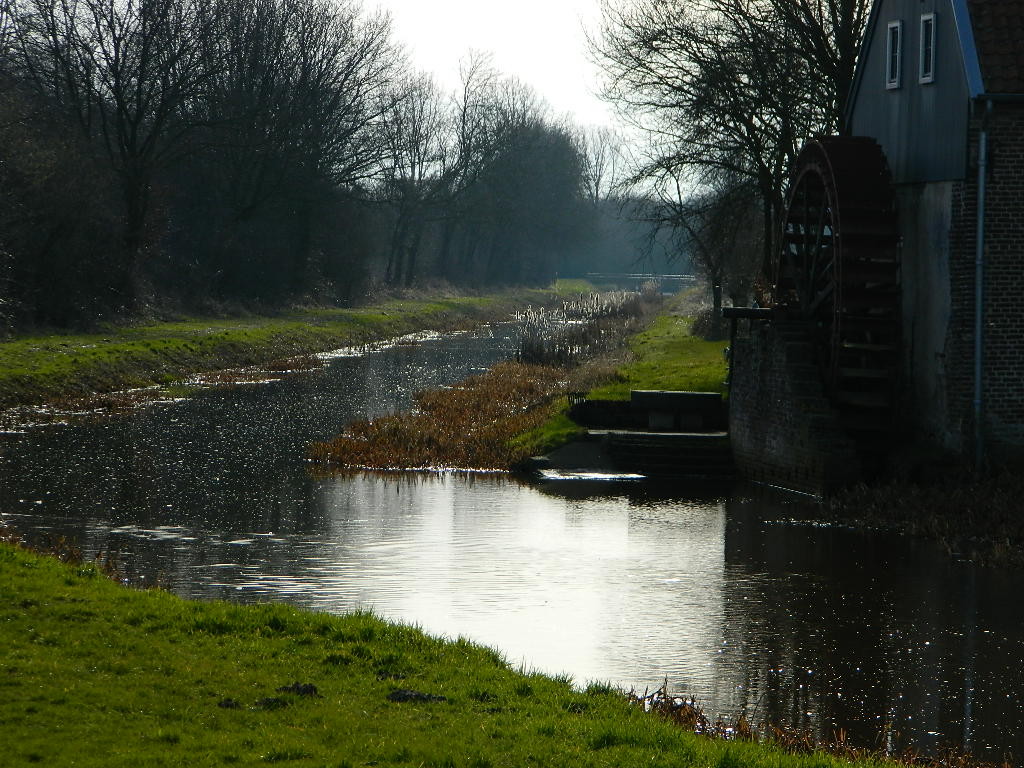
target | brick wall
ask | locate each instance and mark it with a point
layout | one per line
(782, 429)
(1003, 362)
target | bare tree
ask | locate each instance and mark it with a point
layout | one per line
(729, 87)
(826, 34)
(290, 120)
(343, 67)
(603, 151)
(6, 33)
(58, 215)
(244, 108)
(123, 69)
(716, 228)
(265, 150)
(415, 131)
(471, 148)
(338, 68)
(510, 126)
(474, 119)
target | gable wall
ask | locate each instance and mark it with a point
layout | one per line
(921, 127)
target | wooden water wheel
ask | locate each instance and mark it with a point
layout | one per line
(838, 276)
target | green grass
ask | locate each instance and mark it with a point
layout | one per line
(37, 368)
(557, 430)
(96, 674)
(566, 287)
(666, 356)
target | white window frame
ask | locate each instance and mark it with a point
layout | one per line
(892, 79)
(926, 75)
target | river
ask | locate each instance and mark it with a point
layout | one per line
(735, 596)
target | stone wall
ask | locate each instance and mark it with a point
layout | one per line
(783, 430)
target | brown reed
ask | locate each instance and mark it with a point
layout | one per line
(467, 426)
(687, 713)
(470, 426)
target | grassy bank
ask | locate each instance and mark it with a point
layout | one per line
(35, 369)
(667, 356)
(96, 674)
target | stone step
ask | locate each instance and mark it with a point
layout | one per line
(668, 438)
(880, 400)
(873, 348)
(669, 453)
(881, 374)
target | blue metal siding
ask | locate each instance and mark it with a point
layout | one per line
(921, 127)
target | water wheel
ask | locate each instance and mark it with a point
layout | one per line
(838, 276)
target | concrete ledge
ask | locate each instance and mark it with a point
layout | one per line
(671, 410)
(669, 400)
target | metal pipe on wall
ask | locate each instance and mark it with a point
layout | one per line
(979, 288)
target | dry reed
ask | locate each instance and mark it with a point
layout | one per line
(467, 426)
(581, 327)
(687, 713)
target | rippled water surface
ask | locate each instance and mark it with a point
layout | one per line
(737, 598)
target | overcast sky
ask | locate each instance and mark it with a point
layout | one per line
(541, 42)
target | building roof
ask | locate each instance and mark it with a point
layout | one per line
(998, 27)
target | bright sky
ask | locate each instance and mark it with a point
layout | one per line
(541, 42)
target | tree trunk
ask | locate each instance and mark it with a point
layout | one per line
(767, 277)
(412, 253)
(393, 274)
(301, 253)
(716, 308)
(444, 251)
(136, 203)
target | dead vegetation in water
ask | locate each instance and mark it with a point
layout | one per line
(467, 426)
(687, 713)
(552, 341)
(66, 409)
(974, 517)
(257, 374)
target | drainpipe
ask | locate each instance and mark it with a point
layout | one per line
(979, 286)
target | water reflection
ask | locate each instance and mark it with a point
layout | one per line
(740, 600)
(878, 634)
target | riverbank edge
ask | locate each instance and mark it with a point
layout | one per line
(97, 673)
(39, 369)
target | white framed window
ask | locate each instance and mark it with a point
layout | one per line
(926, 55)
(893, 54)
